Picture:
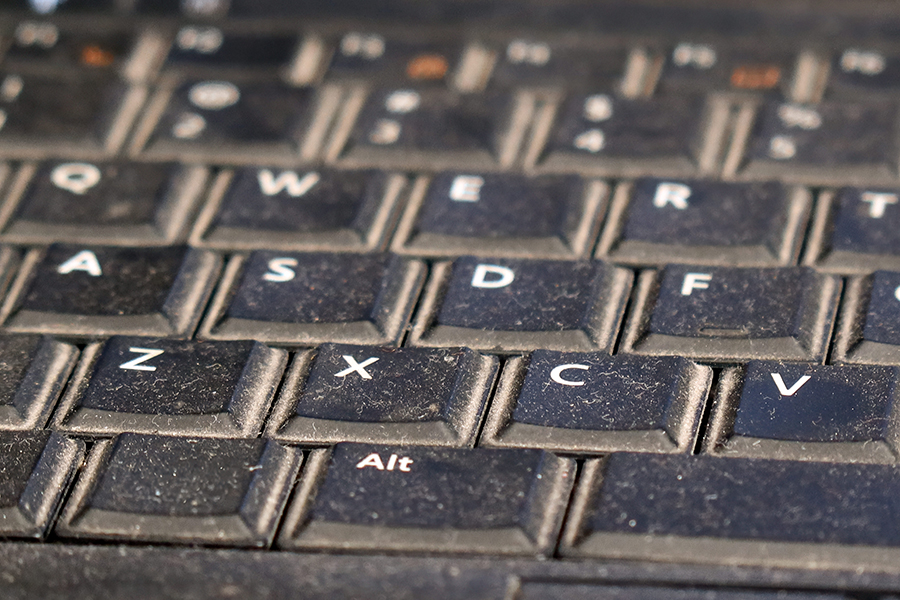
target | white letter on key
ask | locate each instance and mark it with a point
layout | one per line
(695, 281)
(479, 279)
(878, 202)
(675, 194)
(556, 374)
(788, 391)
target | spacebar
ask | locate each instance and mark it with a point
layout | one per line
(739, 511)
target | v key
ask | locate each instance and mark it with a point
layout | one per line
(788, 391)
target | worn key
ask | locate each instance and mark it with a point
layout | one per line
(33, 373)
(147, 385)
(429, 499)
(592, 402)
(385, 395)
(801, 411)
(723, 314)
(181, 490)
(868, 329)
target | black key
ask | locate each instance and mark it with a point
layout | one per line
(205, 48)
(776, 513)
(43, 45)
(314, 298)
(181, 490)
(104, 290)
(370, 57)
(604, 134)
(708, 222)
(45, 7)
(501, 214)
(511, 305)
(597, 403)
(36, 467)
(430, 499)
(535, 63)
(321, 209)
(147, 385)
(384, 395)
(73, 111)
(868, 329)
(726, 314)
(806, 412)
(114, 203)
(33, 372)
(706, 67)
(232, 120)
(830, 142)
(586, 591)
(430, 128)
(856, 231)
(863, 71)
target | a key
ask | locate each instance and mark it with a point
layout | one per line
(707, 222)
(384, 395)
(104, 202)
(429, 499)
(431, 128)
(706, 67)
(801, 411)
(33, 373)
(147, 385)
(305, 299)
(510, 305)
(76, 112)
(586, 591)
(233, 120)
(860, 71)
(536, 63)
(830, 142)
(199, 48)
(295, 209)
(580, 402)
(773, 513)
(43, 45)
(370, 57)
(728, 314)
(183, 490)
(99, 290)
(867, 331)
(602, 134)
(503, 215)
(856, 230)
(36, 468)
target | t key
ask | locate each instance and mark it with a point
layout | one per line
(100, 290)
(723, 314)
(147, 385)
(388, 395)
(430, 499)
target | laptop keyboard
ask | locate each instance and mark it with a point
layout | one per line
(558, 304)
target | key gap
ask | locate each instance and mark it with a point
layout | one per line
(833, 333)
(626, 313)
(703, 423)
(414, 313)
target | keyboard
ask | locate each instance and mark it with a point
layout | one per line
(485, 299)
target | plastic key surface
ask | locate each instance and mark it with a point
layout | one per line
(188, 490)
(371, 57)
(722, 314)
(860, 71)
(35, 470)
(364, 497)
(511, 305)
(868, 330)
(33, 374)
(146, 385)
(536, 63)
(705, 67)
(580, 402)
(43, 45)
(576, 591)
(384, 395)
(197, 48)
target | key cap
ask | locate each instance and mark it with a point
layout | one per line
(320, 209)
(370, 57)
(867, 331)
(36, 467)
(228, 120)
(707, 222)
(591, 402)
(805, 412)
(502, 215)
(536, 63)
(726, 314)
(752, 511)
(107, 202)
(384, 395)
(97, 290)
(573, 591)
(307, 299)
(431, 128)
(62, 6)
(511, 305)
(73, 112)
(199, 48)
(703, 66)
(429, 499)
(181, 490)
(601, 134)
(831, 142)
(858, 71)
(856, 231)
(43, 45)
(33, 372)
(147, 385)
